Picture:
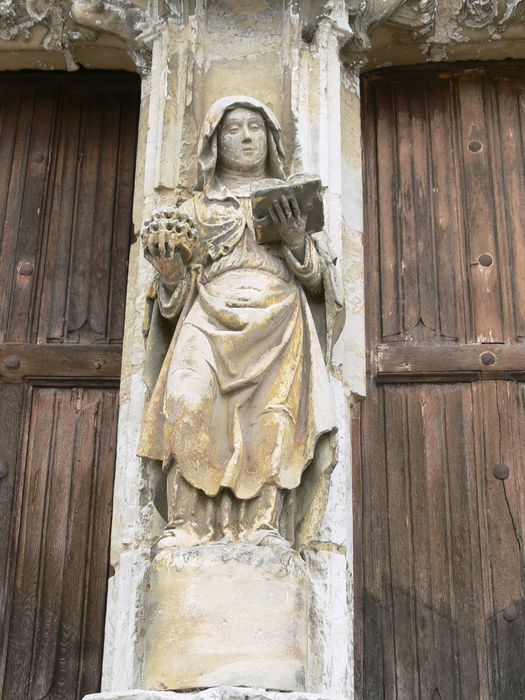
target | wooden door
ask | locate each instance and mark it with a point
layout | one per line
(67, 154)
(439, 462)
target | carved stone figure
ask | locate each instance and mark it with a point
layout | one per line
(240, 413)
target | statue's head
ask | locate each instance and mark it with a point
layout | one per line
(239, 133)
(242, 141)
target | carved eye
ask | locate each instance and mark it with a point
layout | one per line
(169, 226)
(154, 227)
(190, 235)
(178, 227)
(168, 213)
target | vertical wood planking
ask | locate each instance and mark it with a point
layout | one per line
(89, 221)
(445, 222)
(101, 260)
(479, 209)
(31, 214)
(16, 125)
(511, 156)
(122, 231)
(442, 599)
(386, 188)
(67, 153)
(63, 551)
(12, 405)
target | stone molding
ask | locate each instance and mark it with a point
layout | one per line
(218, 693)
(367, 15)
(494, 15)
(430, 23)
(62, 24)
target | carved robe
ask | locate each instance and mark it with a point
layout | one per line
(242, 399)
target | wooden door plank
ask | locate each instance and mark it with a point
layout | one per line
(12, 408)
(446, 214)
(44, 362)
(34, 513)
(62, 220)
(479, 208)
(30, 222)
(408, 360)
(54, 566)
(384, 187)
(122, 232)
(101, 258)
(511, 176)
(14, 174)
(100, 518)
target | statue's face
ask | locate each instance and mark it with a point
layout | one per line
(242, 140)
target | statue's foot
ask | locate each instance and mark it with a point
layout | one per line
(184, 536)
(268, 537)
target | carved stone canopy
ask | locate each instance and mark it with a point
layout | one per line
(61, 25)
(414, 31)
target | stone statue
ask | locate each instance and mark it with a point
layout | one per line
(240, 412)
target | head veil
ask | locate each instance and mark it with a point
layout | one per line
(207, 148)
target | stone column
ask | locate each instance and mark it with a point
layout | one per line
(217, 50)
(326, 105)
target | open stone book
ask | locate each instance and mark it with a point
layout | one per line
(306, 189)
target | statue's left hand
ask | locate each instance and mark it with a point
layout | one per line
(290, 222)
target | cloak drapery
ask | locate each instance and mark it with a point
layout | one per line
(239, 390)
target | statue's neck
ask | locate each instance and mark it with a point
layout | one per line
(233, 179)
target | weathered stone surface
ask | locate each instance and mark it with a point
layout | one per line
(219, 693)
(227, 614)
(330, 627)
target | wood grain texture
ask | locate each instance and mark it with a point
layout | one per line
(407, 361)
(66, 167)
(449, 188)
(58, 608)
(67, 157)
(438, 533)
(43, 362)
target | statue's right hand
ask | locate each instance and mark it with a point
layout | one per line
(171, 240)
(159, 252)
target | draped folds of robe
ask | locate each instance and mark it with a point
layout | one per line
(242, 398)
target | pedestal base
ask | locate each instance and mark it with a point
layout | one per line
(227, 615)
(222, 693)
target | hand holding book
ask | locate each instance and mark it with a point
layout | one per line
(287, 210)
(290, 223)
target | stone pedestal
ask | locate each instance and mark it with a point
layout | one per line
(227, 615)
(222, 693)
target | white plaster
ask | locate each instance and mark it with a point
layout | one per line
(123, 641)
(330, 666)
(334, 525)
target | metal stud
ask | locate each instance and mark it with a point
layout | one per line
(474, 146)
(4, 470)
(488, 358)
(510, 613)
(501, 471)
(485, 260)
(26, 268)
(12, 362)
